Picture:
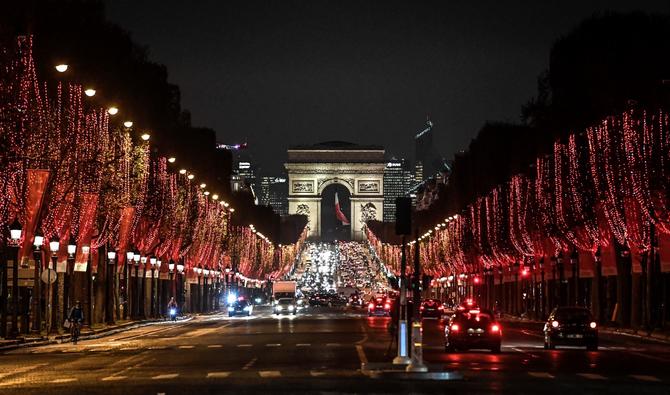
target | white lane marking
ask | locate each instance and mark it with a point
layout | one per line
(186, 347)
(541, 375)
(592, 376)
(21, 370)
(166, 376)
(316, 373)
(644, 377)
(214, 346)
(250, 364)
(114, 378)
(157, 348)
(64, 380)
(361, 354)
(273, 345)
(218, 375)
(128, 349)
(333, 344)
(244, 345)
(268, 374)
(303, 345)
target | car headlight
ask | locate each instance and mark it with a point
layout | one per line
(258, 300)
(231, 308)
(290, 308)
(278, 307)
(247, 308)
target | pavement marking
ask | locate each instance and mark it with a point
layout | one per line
(218, 375)
(114, 378)
(303, 345)
(166, 376)
(361, 354)
(186, 347)
(64, 380)
(214, 346)
(128, 349)
(639, 354)
(268, 374)
(250, 364)
(157, 348)
(316, 373)
(541, 375)
(333, 344)
(21, 370)
(644, 377)
(244, 345)
(273, 345)
(592, 376)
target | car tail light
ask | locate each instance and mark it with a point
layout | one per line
(454, 328)
(371, 306)
(554, 324)
(387, 306)
(593, 325)
(474, 311)
(495, 328)
(422, 308)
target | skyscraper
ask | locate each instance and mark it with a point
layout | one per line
(274, 192)
(398, 179)
(427, 161)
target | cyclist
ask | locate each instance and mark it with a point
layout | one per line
(76, 317)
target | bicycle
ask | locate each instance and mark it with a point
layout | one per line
(74, 331)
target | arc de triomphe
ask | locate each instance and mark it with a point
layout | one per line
(358, 168)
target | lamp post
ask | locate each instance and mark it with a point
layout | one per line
(141, 281)
(15, 231)
(205, 299)
(180, 287)
(226, 280)
(130, 255)
(109, 311)
(54, 246)
(153, 262)
(69, 274)
(37, 295)
(171, 271)
(157, 284)
(88, 306)
(198, 272)
(136, 300)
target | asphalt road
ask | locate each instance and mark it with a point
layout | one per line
(321, 351)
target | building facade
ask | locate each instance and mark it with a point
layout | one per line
(274, 192)
(398, 179)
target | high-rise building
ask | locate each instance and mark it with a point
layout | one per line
(274, 192)
(398, 179)
(244, 174)
(427, 161)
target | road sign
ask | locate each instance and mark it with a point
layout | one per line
(49, 278)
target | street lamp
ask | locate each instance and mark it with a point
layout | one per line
(171, 271)
(180, 283)
(153, 261)
(90, 92)
(38, 242)
(61, 68)
(145, 136)
(111, 257)
(112, 110)
(128, 124)
(15, 231)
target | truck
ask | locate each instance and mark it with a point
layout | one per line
(284, 297)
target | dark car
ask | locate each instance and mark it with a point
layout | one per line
(356, 301)
(431, 308)
(379, 307)
(240, 307)
(318, 300)
(573, 326)
(473, 329)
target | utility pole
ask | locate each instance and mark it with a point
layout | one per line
(416, 364)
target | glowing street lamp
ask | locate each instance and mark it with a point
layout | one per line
(128, 124)
(39, 240)
(182, 171)
(172, 159)
(113, 110)
(54, 245)
(61, 68)
(71, 247)
(90, 92)
(145, 136)
(191, 176)
(215, 196)
(15, 231)
(203, 185)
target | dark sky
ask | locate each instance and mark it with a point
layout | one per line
(283, 72)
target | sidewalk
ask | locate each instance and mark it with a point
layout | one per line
(94, 332)
(643, 334)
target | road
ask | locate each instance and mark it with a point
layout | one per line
(321, 351)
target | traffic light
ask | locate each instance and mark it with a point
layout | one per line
(403, 216)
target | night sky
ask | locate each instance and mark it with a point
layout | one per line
(284, 72)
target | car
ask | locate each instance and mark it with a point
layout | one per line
(573, 326)
(356, 301)
(240, 307)
(431, 308)
(380, 307)
(473, 329)
(285, 305)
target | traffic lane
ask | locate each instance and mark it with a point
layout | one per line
(523, 352)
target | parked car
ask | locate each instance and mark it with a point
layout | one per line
(473, 329)
(573, 326)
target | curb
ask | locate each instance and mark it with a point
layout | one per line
(641, 334)
(94, 334)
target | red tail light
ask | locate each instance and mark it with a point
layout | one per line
(387, 306)
(422, 308)
(454, 328)
(371, 306)
(495, 328)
